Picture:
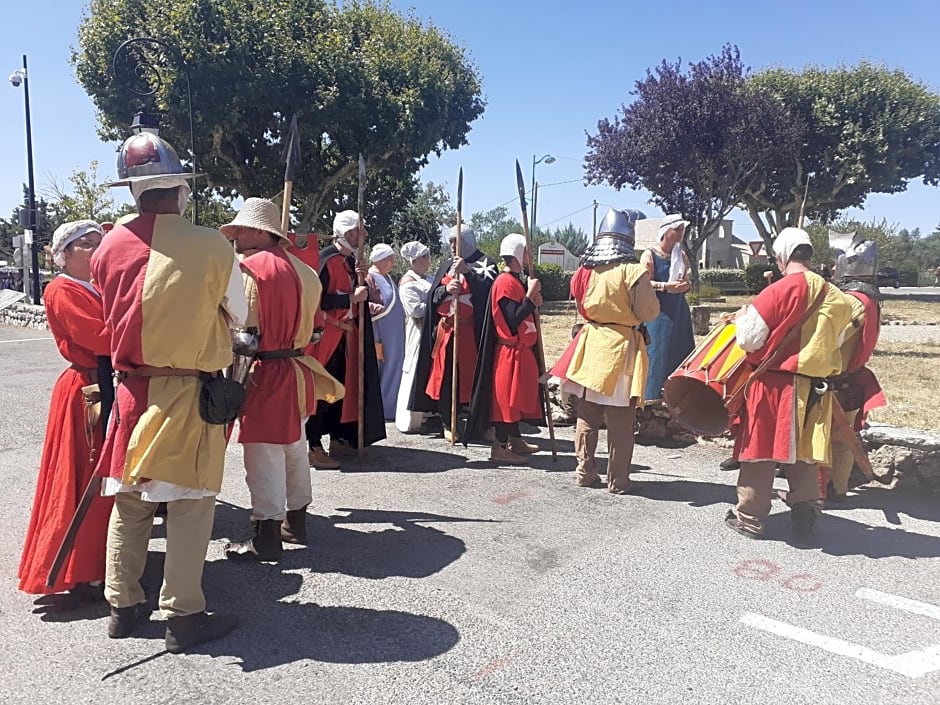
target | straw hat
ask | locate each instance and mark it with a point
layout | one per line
(258, 213)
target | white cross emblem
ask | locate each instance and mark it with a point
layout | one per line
(483, 269)
(529, 326)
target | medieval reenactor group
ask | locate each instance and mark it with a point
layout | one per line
(200, 328)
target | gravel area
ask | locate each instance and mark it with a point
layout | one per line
(910, 334)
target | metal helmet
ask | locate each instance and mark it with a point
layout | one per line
(615, 239)
(146, 156)
(856, 257)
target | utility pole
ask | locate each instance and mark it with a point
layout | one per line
(594, 229)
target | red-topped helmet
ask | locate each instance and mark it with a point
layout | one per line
(145, 156)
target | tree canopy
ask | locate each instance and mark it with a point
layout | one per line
(359, 76)
(863, 129)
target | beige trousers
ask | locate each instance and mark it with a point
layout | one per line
(756, 483)
(278, 478)
(188, 529)
(842, 458)
(620, 425)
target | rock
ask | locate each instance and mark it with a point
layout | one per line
(882, 434)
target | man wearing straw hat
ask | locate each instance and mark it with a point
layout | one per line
(792, 329)
(169, 291)
(338, 350)
(284, 384)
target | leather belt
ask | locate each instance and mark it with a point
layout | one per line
(278, 354)
(90, 371)
(148, 371)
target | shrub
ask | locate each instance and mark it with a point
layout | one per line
(556, 283)
(754, 276)
(707, 291)
(709, 276)
(907, 276)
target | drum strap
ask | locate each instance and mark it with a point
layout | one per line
(779, 350)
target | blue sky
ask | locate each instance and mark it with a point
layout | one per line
(551, 70)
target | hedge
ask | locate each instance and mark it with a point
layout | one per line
(710, 276)
(556, 283)
(754, 276)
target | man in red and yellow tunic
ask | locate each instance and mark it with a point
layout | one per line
(605, 367)
(282, 390)
(857, 388)
(338, 350)
(506, 383)
(787, 417)
(169, 291)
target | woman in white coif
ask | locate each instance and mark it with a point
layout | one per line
(413, 291)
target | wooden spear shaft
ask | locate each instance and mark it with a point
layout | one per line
(456, 311)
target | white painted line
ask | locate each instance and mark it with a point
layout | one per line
(912, 664)
(24, 340)
(900, 603)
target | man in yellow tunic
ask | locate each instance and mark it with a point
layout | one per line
(169, 290)
(605, 366)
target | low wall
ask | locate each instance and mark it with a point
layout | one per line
(24, 316)
(904, 457)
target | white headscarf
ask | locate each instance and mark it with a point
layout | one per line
(67, 233)
(671, 221)
(380, 251)
(414, 249)
(176, 181)
(342, 224)
(788, 240)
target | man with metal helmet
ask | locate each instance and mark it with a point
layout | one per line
(506, 386)
(857, 388)
(169, 291)
(791, 332)
(606, 364)
(465, 280)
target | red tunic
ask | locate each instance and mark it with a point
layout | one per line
(341, 280)
(309, 255)
(280, 391)
(75, 319)
(515, 369)
(467, 353)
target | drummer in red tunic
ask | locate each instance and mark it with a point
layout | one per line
(506, 384)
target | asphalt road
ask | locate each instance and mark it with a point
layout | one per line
(435, 578)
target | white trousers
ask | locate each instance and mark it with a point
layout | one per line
(278, 478)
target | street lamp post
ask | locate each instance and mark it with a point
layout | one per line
(17, 78)
(548, 159)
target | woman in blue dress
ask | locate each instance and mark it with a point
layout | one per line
(388, 327)
(671, 338)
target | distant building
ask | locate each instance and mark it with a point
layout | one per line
(722, 250)
(556, 253)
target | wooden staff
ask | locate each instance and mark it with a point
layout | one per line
(292, 162)
(540, 352)
(361, 205)
(456, 311)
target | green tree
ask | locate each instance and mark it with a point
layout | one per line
(359, 76)
(424, 218)
(696, 139)
(865, 129)
(574, 239)
(87, 198)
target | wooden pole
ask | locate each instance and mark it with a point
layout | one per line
(454, 388)
(539, 350)
(362, 312)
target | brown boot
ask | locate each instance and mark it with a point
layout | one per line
(320, 460)
(185, 632)
(265, 545)
(294, 526)
(519, 446)
(501, 455)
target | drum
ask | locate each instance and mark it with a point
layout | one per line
(706, 390)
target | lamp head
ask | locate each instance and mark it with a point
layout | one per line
(16, 78)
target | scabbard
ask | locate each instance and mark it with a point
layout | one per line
(92, 490)
(845, 432)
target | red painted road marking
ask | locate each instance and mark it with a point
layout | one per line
(511, 497)
(802, 583)
(756, 569)
(493, 666)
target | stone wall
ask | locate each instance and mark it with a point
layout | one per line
(24, 316)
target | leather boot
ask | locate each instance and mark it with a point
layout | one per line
(183, 633)
(803, 516)
(265, 545)
(519, 446)
(501, 455)
(294, 526)
(125, 620)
